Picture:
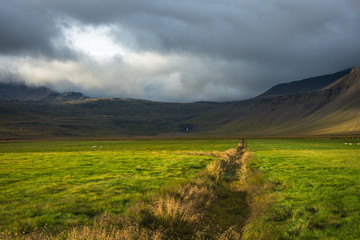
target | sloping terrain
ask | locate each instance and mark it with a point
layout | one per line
(332, 110)
(93, 118)
(20, 91)
(305, 85)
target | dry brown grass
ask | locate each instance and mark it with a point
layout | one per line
(207, 233)
(100, 233)
(214, 170)
(230, 234)
(180, 213)
(225, 168)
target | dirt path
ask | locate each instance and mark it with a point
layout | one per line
(229, 212)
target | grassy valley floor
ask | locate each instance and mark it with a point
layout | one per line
(59, 185)
(181, 189)
(306, 189)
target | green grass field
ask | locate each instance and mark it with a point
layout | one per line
(58, 185)
(311, 189)
(307, 188)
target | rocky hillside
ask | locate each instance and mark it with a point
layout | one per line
(334, 109)
(305, 85)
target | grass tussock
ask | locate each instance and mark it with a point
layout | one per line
(181, 213)
(225, 167)
(230, 234)
(100, 233)
(214, 170)
(96, 232)
(187, 207)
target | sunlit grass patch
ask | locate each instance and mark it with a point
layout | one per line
(314, 191)
(64, 184)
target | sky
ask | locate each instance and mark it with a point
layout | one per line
(176, 51)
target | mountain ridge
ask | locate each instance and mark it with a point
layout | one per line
(305, 85)
(305, 113)
(332, 110)
(22, 92)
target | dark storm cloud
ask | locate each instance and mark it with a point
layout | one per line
(233, 29)
(239, 47)
(27, 28)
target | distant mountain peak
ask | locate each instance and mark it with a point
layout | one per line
(305, 85)
(351, 80)
(69, 96)
(20, 91)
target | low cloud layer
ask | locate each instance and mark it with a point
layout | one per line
(175, 50)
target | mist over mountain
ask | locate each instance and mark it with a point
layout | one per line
(176, 51)
(20, 91)
(331, 110)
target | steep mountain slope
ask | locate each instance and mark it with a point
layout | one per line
(305, 85)
(334, 109)
(343, 114)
